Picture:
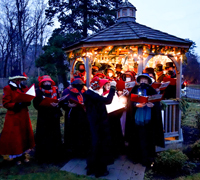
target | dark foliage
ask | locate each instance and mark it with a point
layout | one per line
(191, 68)
(84, 15)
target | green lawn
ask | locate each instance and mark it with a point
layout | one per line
(189, 118)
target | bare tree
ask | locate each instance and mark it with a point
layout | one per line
(22, 26)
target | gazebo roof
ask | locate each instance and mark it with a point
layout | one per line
(128, 32)
(132, 31)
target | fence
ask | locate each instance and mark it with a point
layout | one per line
(193, 93)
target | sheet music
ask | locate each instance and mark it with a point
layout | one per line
(31, 91)
(115, 105)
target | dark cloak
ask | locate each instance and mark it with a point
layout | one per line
(76, 129)
(143, 139)
(48, 135)
(100, 155)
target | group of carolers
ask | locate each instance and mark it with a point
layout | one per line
(89, 130)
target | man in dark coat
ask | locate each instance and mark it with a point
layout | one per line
(159, 73)
(170, 91)
(48, 135)
(144, 128)
(100, 155)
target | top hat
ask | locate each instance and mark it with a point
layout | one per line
(149, 70)
(159, 67)
(169, 64)
(16, 74)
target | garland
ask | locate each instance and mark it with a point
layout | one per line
(183, 104)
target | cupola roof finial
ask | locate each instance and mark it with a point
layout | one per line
(126, 12)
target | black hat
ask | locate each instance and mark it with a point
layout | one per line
(159, 67)
(16, 74)
(170, 64)
(149, 70)
(78, 81)
(110, 68)
(119, 66)
(144, 75)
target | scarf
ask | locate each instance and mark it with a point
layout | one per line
(53, 91)
(142, 115)
(75, 94)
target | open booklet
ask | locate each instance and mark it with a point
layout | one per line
(47, 101)
(171, 80)
(72, 99)
(145, 99)
(27, 96)
(115, 105)
(130, 84)
(161, 86)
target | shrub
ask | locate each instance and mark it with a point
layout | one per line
(170, 161)
(193, 151)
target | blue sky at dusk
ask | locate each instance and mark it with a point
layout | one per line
(176, 17)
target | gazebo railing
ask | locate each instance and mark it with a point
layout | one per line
(171, 124)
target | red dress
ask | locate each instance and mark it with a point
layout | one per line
(17, 134)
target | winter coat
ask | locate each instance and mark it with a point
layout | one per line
(48, 134)
(76, 129)
(143, 139)
(17, 134)
(97, 116)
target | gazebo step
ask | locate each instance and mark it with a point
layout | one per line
(172, 143)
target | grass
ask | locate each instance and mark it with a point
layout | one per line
(192, 177)
(189, 118)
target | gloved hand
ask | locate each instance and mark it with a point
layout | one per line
(24, 104)
(19, 106)
(113, 83)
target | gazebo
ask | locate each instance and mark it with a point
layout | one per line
(129, 43)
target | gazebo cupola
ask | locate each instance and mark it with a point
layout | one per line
(126, 12)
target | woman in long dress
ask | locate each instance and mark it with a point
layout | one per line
(48, 134)
(17, 135)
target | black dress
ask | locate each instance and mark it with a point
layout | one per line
(100, 155)
(48, 134)
(142, 139)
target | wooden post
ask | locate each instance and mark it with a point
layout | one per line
(179, 77)
(88, 71)
(72, 68)
(140, 58)
(147, 59)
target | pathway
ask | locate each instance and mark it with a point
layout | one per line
(122, 169)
